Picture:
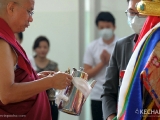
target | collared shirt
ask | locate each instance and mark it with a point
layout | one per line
(92, 58)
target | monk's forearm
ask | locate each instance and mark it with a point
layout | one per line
(21, 91)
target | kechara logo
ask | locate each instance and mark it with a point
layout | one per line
(147, 112)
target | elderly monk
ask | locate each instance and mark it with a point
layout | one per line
(22, 95)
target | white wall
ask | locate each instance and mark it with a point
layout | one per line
(57, 20)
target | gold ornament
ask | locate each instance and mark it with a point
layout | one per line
(149, 7)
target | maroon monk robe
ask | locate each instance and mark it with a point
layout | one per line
(35, 108)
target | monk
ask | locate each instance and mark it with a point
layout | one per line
(22, 91)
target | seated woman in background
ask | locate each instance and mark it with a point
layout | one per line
(41, 49)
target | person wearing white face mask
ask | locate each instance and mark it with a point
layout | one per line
(119, 61)
(96, 59)
(107, 34)
(135, 21)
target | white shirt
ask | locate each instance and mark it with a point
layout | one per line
(92, 58)
(33, 64)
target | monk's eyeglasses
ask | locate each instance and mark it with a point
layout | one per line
(28, 11)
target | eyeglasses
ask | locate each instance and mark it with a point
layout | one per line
(28, 11)
(132, 13)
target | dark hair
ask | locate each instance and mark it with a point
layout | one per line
(38, 40)
(105, 16)
(128, 0)
(20, 35)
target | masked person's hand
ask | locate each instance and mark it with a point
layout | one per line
(105, 56)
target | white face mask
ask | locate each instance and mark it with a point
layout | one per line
(106, 33)
(136, 23)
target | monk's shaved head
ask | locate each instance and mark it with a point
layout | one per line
(17, 13)
(6, 1)
(3, 3)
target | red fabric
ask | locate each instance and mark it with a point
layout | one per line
(34, 108)
(7, 34)
(123, 116)
(149, 23)
(122, 74)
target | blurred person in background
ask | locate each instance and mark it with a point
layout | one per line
(19, 38)
(97, 57)
(41, 48)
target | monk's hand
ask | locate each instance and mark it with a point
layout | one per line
(61, 80)
(45, 74)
